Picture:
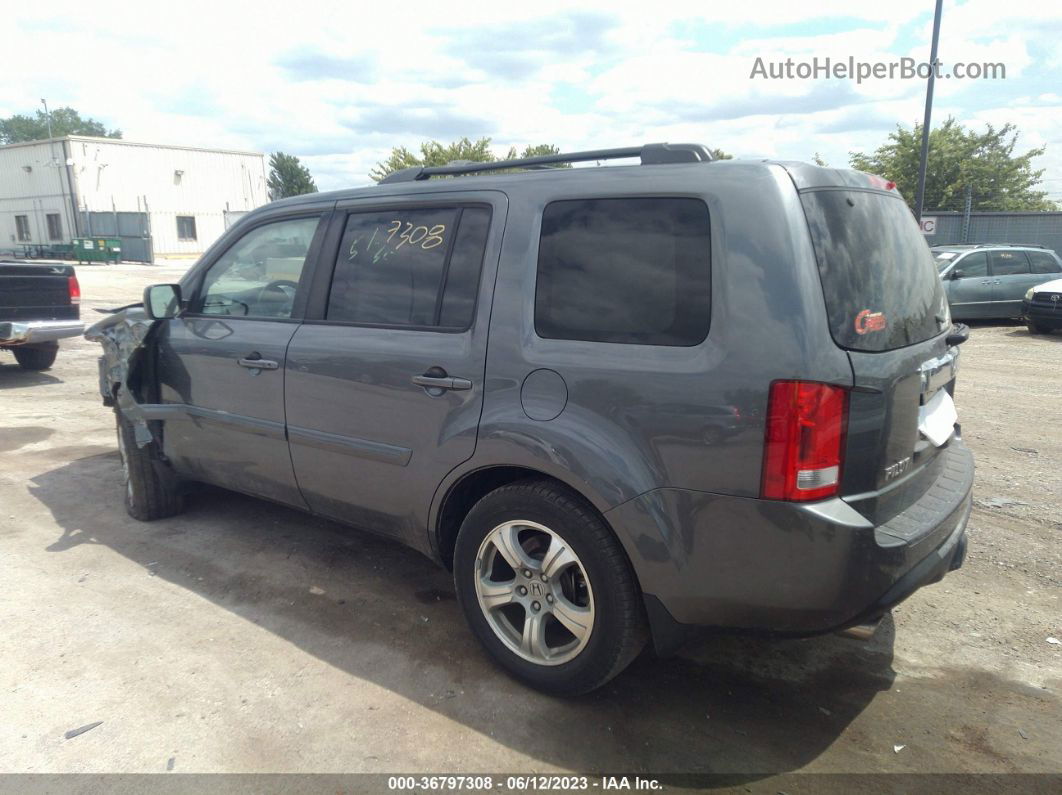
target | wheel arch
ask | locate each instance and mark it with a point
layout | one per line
(469, 487)
(459, 497)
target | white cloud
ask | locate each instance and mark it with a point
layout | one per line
(339, 84)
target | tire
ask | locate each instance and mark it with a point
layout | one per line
(1036, 328)
(36, 357)
(149, 492)
(590, 584)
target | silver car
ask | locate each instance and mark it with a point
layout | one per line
(989, 280)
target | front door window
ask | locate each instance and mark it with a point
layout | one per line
(259, 275)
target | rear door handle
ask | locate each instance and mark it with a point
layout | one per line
(256, 362)
(441, 382)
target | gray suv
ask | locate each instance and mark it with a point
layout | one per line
(989, 280)
(618, 402)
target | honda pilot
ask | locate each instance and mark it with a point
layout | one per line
(618, 402)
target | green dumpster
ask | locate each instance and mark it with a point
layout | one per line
(97, 249)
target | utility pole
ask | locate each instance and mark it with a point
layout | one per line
(920, 196)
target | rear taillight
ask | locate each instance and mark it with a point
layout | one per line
(73, 289)
(803, 447)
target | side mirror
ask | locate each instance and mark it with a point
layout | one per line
(162, 301)
(957, 274)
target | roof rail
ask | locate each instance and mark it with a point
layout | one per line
(1020, 245)
(650, 154)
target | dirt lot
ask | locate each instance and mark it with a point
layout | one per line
(244, 637)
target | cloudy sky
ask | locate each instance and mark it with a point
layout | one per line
(339, 84)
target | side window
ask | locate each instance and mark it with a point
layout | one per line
(1043, 262)
(973, 265)
(410, 267)
(1008, 263)
(624, 270)
(259, 274)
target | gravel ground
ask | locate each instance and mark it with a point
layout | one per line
(244, 637)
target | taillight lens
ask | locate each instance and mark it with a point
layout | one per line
(803, 448)
(74, 289)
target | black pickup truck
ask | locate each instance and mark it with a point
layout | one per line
(40, 304)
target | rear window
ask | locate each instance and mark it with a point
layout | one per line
(417, 267)
(878, 276)
(624, 270)
(1009, 263)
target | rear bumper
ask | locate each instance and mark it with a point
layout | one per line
(30, 332)
(1050, 315)
(721, 561)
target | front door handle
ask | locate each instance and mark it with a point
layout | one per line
(255, 362)
(441, 382)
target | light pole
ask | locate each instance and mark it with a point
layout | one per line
(921, 194)
(47, 116)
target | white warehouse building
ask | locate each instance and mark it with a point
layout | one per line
(160, 200)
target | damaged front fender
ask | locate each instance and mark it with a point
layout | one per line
(122, 336)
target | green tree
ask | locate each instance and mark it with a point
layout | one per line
(288, 177)
(433, 153)
(65, 121)
(959, 159)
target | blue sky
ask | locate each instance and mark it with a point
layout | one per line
(339, 84)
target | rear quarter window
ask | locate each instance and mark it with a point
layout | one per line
(1043, 262)
(631, 270)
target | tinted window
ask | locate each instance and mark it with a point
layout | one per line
(1043, 262)
(462, 277)
(1008, 263)
(973, 265)
(624, 270)
(878, 276)
(259, 274)
(410, 267)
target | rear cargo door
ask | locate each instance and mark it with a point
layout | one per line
(887, 308)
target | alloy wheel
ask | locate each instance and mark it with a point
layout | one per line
(534, 592)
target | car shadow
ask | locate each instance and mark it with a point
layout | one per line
(1024, 332)
(974, 323)
(727, 705)
(13, 376)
